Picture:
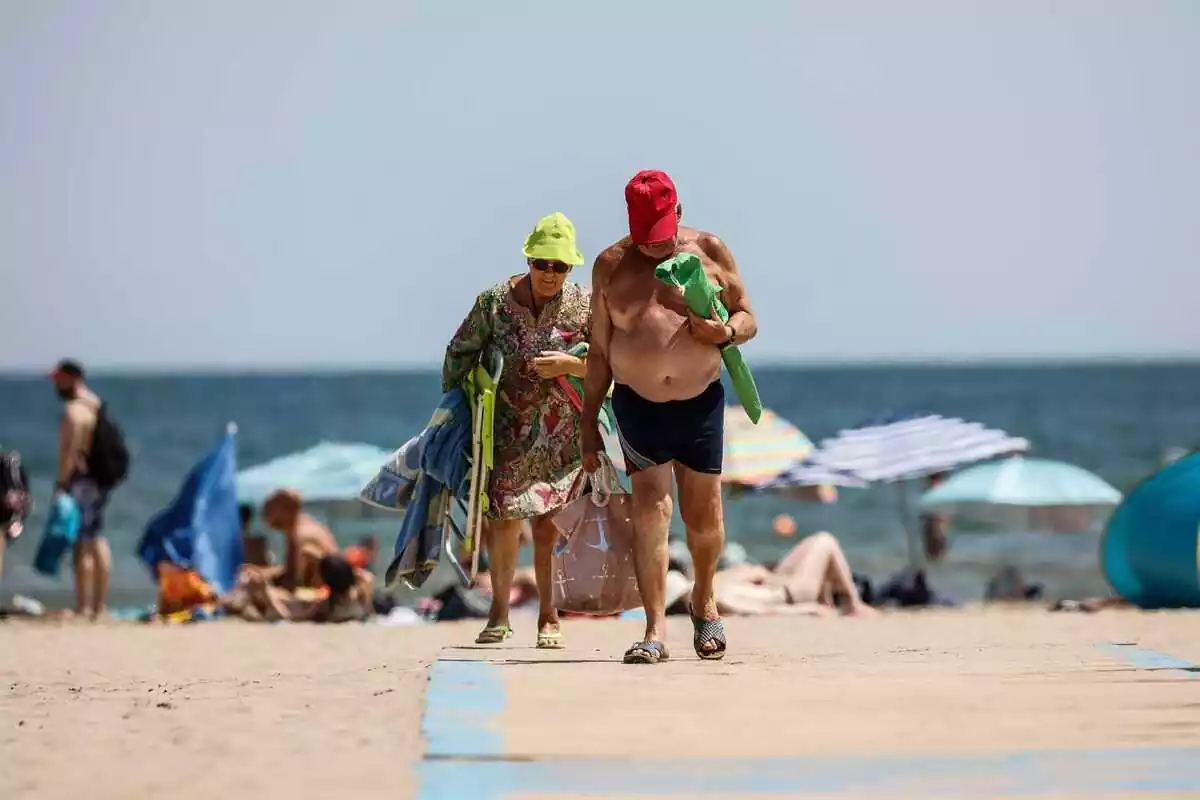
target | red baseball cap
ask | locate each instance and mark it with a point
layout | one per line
(652, 201)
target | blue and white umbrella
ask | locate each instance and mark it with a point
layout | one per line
(898, 449)
(813, 473)
(906, 447)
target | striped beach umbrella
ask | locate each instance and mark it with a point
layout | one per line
(812, 473)
(901, 448)
(754, 454)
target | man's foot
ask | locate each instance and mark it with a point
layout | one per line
(709, 638)
(862, 610)
(648, 652)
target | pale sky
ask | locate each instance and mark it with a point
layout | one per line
(285, 183)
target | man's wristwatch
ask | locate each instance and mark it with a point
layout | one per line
(729, 341)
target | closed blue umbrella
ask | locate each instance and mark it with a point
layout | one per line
(1031, 493)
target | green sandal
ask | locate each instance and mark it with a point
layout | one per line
(494, 634)
(550, 640)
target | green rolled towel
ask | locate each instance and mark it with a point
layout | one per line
(686, 273)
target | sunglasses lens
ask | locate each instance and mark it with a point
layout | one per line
(557, 267)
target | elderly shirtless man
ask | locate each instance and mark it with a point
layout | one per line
(668, 399)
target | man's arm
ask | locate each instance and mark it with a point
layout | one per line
(598, 376)
(70, 431)
(737, 301)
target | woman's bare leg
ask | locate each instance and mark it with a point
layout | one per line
(545, 534)
(504, 541)
(816, 568)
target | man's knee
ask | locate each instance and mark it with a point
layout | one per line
(652, 496)
(701, 512)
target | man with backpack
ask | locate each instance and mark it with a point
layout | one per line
(92, 461)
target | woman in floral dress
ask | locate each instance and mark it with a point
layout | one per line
(533, 319)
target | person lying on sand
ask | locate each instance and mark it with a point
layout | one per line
(345, 596)
(810, 580)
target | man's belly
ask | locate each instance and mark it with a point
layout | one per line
(661, 361)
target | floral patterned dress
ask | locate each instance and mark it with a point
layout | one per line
(536, 435)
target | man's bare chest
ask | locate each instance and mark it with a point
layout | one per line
(633, 291)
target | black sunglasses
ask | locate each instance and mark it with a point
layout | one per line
(557, 267)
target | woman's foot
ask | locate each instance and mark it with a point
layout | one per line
(494, 634)
(549, 636)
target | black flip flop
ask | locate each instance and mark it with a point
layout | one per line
(648, 652)
(708, 631)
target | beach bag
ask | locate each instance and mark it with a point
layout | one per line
(62, 529)
(591, 569)
(108, 460)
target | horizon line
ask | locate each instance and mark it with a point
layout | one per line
(866, 362)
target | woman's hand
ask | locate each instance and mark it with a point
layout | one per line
(551, 364)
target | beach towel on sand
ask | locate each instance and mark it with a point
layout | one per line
(686, 273)
(420, 479)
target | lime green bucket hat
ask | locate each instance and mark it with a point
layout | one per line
(553, 239)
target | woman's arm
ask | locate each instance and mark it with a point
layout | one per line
(468, 341)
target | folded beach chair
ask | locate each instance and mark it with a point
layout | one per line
(480, 387)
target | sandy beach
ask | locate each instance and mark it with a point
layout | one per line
(231, 709)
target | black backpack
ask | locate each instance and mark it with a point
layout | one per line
(108, 461)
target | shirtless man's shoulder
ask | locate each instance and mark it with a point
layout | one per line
(607, 262)
(708, 245)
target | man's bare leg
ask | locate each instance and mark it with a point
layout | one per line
(652, 508)
(700, 507)
(102, 559)
(504, 541)
(84, 577)
(545, 534)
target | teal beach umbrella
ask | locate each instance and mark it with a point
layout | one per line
(330, 472)
(1033, 494)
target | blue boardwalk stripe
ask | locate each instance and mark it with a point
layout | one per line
(463, 704)
(1145, 658)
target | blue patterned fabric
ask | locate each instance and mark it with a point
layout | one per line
(420, 479)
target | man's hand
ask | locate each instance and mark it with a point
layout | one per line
(590, 444)
(551, 364)
(708, 331)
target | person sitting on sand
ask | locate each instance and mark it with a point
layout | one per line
(809, 580)
(307, 542)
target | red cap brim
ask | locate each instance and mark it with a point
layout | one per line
(662, 230)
